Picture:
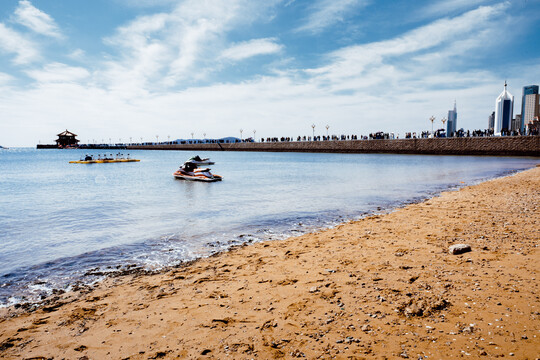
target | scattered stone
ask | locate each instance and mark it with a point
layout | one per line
(459, 249)
(468, 329)
(52, 307)
(422, 306)
(298, 354)
(313, 289)
(159, 355)
(366, 328)
(223, 321)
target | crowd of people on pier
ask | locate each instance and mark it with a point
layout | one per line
(440, 133)
(379, 135)
(309, 138)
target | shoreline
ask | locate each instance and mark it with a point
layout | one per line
(314, 295)
(129, 268)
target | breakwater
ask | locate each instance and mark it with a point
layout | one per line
(494, 146)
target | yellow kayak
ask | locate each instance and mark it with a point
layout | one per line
(102, 161)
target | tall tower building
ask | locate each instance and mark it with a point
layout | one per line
(529, 105)
(516, 123)
(452, 120)
(504, 112)
(491, 121)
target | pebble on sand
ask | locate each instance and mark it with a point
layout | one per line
(459, 249)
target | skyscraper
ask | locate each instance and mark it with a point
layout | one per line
(529, 105)
(516, 123)
(504, 112)
(491, 121)
(452, 120)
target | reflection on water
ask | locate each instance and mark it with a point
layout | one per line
(58, 219)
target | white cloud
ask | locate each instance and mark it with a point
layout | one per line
(247, 49)
(5, 79)
(77, 54)
(177, 48)
(146, 3)
(445, 7)
(143, 53)
(325, 13)
(360, 60)
(58, 73)
(36, 20)
(13, 42)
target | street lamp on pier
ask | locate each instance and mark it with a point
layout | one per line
(432, 119)
(443, 121)
(192, 135)
(254, 132)
(241, 131)
(313, 128)
(327, 127)
(169, 139)
(157, 139)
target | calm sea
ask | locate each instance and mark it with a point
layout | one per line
(60, 222)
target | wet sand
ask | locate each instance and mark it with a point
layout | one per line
(382, 287)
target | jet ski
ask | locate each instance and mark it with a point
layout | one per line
(190, 171)
(199, 161)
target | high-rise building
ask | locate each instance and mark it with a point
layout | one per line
(529, 105)
(504, 112)
(516, 123)
(491, 121)
(452, 120)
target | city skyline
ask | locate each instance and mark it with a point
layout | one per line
(121, 69)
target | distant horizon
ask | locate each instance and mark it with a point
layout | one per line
(140, 68)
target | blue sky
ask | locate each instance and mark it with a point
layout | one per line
(123, 69)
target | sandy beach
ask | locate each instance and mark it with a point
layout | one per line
(382, 287)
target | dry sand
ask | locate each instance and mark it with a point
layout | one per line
(382, 287)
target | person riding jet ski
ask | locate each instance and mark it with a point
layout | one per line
(188, 167)
(190, 171)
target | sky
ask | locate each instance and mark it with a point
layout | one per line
(128, 70)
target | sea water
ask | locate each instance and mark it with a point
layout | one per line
(64, 223)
